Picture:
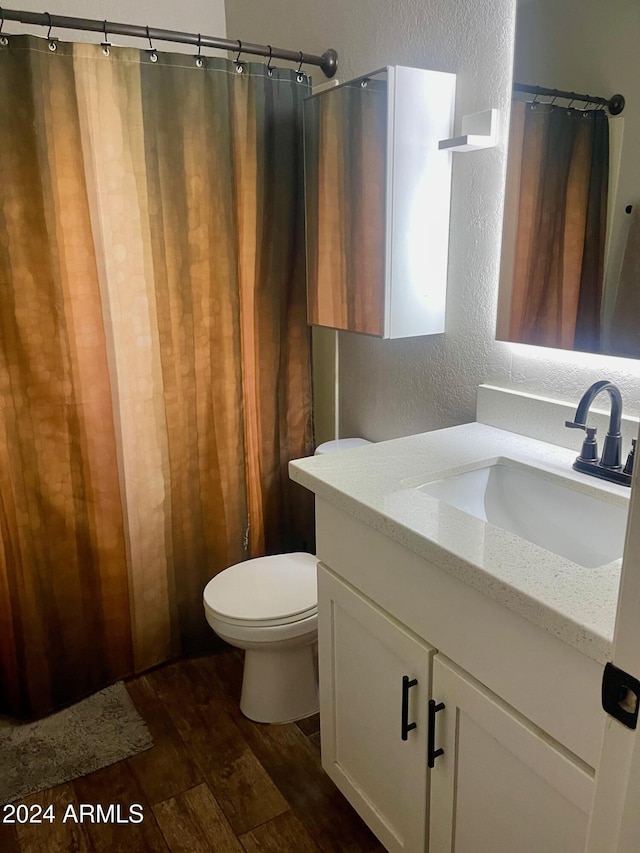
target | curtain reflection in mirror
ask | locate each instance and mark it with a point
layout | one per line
(556, 209)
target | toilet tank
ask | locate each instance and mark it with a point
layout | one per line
(340, 444)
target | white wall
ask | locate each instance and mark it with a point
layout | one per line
(193, 16)
(392, 388)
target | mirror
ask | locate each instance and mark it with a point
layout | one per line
(570, 269)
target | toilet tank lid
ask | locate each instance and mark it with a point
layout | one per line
(340, 444)
(280, 587)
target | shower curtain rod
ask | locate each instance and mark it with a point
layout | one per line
(615, 104)
(328, 62)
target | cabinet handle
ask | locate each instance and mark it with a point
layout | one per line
(432, 752)
(406, 726)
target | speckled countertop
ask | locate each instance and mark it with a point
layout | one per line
(376, 484)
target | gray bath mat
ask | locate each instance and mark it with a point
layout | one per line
(94, 733)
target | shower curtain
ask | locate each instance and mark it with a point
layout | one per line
(558, 171)
(154, 352)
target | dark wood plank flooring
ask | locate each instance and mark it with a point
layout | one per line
(213, 781)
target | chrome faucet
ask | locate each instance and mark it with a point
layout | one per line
(609, 466)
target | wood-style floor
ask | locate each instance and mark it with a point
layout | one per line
(213, 781)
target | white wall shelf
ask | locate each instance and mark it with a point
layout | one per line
(479, 130)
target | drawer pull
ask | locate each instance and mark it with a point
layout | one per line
(406, 726)
(432, 752)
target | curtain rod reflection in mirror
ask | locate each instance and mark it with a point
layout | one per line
(328, 62)
(615, 104)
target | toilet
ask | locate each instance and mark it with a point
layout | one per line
(268, 606)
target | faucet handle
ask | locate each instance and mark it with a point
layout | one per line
(589, 452)
(628, 468)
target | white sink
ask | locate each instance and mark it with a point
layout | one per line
(546, 510)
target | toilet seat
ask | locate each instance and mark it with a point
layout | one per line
(264, 592)
(264, 636)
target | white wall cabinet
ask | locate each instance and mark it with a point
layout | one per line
(501, 784)
(377, 197)
(365, 657)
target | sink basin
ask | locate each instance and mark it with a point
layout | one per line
(546, 510)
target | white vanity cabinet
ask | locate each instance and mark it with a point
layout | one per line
(500, 784)
(521, 723)
(374, 688)
(515, 637)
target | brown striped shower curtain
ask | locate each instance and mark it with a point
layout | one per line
(154, 353)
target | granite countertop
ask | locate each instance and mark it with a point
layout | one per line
(376, 484)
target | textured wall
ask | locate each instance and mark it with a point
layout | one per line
(194, 16)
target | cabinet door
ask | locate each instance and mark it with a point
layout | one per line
(345, 181)
(365, 657)
(501, 783)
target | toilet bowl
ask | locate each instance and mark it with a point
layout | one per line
(268, 606)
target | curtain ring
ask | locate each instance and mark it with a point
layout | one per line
(106, 44)
(52, 42)
(4, 41)
(299, 71)
(269, 66)
(239, 64)
(153, 56)
(199, 60)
